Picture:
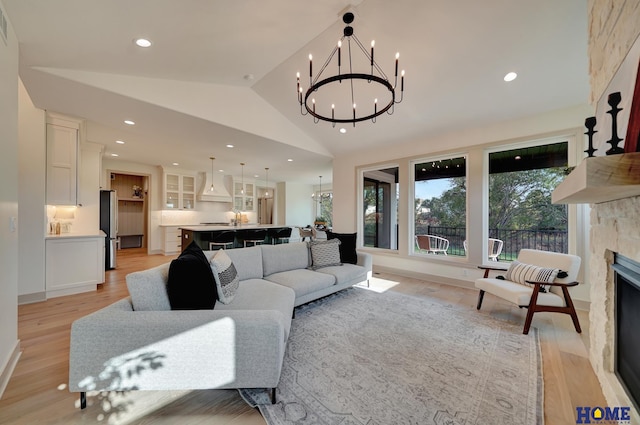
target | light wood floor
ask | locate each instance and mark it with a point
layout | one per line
(37, 391)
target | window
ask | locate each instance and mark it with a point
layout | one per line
(440, 205)
(324, 206)
(380, 208)
(521, 214)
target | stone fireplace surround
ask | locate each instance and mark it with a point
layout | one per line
(615, 228)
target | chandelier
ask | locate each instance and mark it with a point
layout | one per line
(328, 86)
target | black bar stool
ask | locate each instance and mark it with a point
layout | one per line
(222, 239)
(254, 236)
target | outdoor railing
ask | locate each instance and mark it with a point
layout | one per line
(514, 240)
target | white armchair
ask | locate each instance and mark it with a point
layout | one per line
(530, 283)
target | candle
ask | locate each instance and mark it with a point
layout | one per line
(333, 110)
(373, 43)
(310, 65)
(298, 82)
(375, 106)
(397, 56)
(402, 81)
(339, 53)
(313, 101)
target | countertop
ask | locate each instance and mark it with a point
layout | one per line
(97, 234)
(205, 228)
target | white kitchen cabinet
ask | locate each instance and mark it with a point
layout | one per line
(179, 191)
(73, 264)
(62, 160)
(171, 240)
(243, 196)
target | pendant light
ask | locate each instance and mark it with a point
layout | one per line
(242, 180)
(212, 188)
(266, 195)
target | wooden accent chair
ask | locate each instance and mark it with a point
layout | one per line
(432, 244)
(530, 282)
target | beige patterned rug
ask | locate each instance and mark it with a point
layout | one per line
(361, 357)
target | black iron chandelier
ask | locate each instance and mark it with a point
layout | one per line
(328, 87)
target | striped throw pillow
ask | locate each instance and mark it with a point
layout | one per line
(325, 253)
(520, 272)
(225, 275)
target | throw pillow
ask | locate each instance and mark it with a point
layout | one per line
(191, 285)
(324, 253)
(225, 275)
(520, 272)
(347, 246)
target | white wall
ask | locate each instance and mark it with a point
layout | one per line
(473, 141)
(9, 344)
(298, 205)
(32, 193)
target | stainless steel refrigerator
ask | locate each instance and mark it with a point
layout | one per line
(109, 225)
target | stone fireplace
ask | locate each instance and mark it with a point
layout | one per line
(615, 228)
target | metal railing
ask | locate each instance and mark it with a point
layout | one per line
(555, 240)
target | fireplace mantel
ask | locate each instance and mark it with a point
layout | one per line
(601, 179)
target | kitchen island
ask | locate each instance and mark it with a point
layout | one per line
(202, 234)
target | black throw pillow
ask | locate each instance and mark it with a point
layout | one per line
(347, 246)
(191, 285)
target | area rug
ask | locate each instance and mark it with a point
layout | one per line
(361, 357)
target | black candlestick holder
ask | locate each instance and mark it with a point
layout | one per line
(614, 101)
(590, 123)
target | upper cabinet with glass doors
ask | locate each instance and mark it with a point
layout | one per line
(179, 191)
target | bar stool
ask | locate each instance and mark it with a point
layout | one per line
(254, 236)
(283, 234)
(222, 239)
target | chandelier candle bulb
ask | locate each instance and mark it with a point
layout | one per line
(311, 68)
(339, 55)
(402, 82)
(397, 57)
(373, 43)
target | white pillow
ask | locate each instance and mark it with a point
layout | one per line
(225, 275)
(520, 272)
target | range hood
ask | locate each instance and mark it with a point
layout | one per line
(219, 193)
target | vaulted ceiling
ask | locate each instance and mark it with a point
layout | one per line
(223, 72)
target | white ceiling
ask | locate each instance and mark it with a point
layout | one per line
(189, 95)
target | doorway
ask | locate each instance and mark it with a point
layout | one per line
(132, 193)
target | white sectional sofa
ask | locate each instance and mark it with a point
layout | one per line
(139, 343)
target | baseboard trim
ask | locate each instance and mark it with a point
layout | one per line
(578, 304)
(8, 369)
(36, 297)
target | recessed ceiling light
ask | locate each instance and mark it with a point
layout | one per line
(142, 42)
(290, 160)
(129, 122)
(175, 163)
(256, 176)
(221, 171)
(114, 154)
(120, 142)
(510, 76)
(343, 130)
(229, 146)
(518, 157)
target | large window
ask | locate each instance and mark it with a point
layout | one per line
(440, 204)
(521, 214)
(380, 208)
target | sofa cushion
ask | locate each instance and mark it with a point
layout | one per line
(325, 253)
(284, 257)
(347, 246)
(259, 294)
(346, 273)
(191, 285)
(148, 289)
(517, 293)
(302, 281)
(521, 272)
(248, 261)
(225, 275)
